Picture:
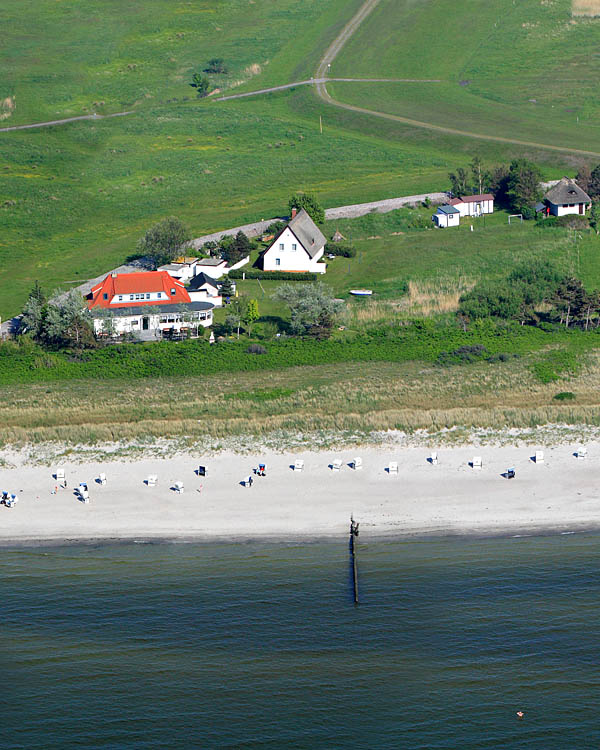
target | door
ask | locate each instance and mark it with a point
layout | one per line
(581, 208)
(145, 323)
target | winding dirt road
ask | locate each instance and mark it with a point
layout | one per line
(335, 48)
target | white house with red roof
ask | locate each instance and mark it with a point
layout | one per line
(474, 205)
(148, 303)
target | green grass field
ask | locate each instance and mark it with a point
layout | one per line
(525, 70)
(84, 193)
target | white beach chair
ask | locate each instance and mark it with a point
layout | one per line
(581, 451)
(336, 464)
(152, 480)
(477, 462)
(357, 463)
(539, 457)
(60, 475)
(178, 487)
(299, 465)
(102, 478)
(393, 467)
(433, 459)
(12, 501)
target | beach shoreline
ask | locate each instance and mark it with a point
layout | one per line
(450, 499)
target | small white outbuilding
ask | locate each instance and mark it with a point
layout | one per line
(446, 216)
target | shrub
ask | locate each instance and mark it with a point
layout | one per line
(573, 221)
(345, 251)
(255, 273)
(256, 349)
(564, 396)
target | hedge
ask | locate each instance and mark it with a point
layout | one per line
(254, 273)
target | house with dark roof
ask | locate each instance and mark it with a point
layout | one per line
(474, 205)
(446, 216)
(147, 303)
(297, 248)
(204, 287)
(566, 197)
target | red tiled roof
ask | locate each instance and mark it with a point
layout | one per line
(143, 282)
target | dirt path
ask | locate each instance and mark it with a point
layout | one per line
(49, 123)
(313, 81)
(335, 48)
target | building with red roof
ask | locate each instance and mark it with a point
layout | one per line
(147, 303)
(474, 205)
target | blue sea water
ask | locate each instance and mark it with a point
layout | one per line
(259, 646)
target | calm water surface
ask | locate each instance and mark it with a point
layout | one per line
(259, 645)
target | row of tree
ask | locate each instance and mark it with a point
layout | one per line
(533, 293)
(59, 322)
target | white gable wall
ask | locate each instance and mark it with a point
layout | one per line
(446, 220)
(475, 208)
(287, 254)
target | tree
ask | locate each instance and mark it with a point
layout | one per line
(571, 301)
(313, 307)
(201, 84)
(251, 315)
(216, 65)
(497, 179)
(67, 323)
(459, 182)
(33, 312)
(595, 217)
(583, 177)
(523, 187)
(233, 249)
(226, 287)
(165, 241)
(480, 176)
(594, 183)
(310, 204)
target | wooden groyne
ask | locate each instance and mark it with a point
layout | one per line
(353, 537)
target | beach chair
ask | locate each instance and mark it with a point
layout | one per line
(510, 473)
(102, 478)
(356, 463)
(581, 451)
(262, 470)
(299, 465)
(539, 457)
(202, 471)
(433, 459)
(152, 480)
(336, 464)
(393, 467)
(12, 501)
(178, 487)
(59, 475)
(477, 462)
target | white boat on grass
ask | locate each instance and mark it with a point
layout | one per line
(361, 292)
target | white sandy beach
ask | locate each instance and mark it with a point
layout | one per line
(449, 498)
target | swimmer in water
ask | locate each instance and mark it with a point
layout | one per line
(520, 714)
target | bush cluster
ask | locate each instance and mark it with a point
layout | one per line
(345, 251)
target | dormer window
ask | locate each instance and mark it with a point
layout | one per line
(105, 295)
(173, 292)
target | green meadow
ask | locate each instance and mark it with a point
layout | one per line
(74, 199)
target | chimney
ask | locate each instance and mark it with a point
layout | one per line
(114, 275)
(294, 212)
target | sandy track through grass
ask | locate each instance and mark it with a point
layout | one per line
(335, 48)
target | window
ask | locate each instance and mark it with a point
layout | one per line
(294, 246)
(135, 322)
(281, 245)
(120, 298)
(147, 296)
(173, 292)
(277, 261)
(105, 295)
(131, 296)
(159, 295)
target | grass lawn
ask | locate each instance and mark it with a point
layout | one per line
(526, 70)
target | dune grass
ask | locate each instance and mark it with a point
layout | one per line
(352, 399)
